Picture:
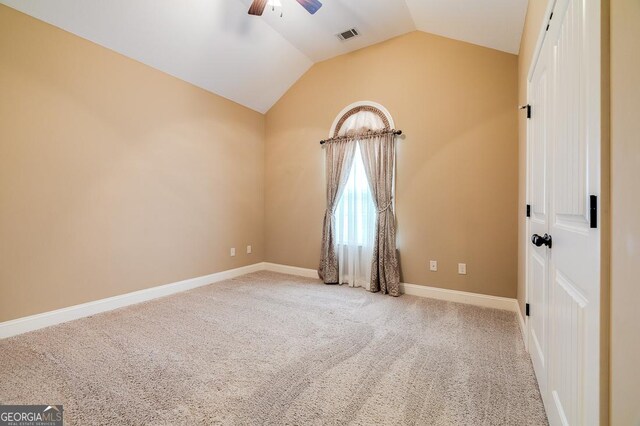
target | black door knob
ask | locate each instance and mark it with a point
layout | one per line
(538, 241)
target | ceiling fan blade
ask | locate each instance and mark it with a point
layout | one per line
(312, 6)
(257, 7)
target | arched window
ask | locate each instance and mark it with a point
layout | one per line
(356, 212)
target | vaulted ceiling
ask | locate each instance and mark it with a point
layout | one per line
(216, 45)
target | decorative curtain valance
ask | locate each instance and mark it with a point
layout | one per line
(361, 111)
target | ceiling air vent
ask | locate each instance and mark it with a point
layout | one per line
(346, 35)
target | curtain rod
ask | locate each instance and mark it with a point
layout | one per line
(362, 135)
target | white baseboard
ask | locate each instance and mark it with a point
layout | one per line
(477, 299)
(46, 319)
(291, 270)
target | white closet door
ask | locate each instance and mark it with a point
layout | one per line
(574, 190)
(564, 189)
(538, 257)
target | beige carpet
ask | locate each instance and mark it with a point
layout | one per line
(267, 348)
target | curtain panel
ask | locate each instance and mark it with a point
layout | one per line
(338, 164)
(378, 155)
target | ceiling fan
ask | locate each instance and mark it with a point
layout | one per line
(257, 7)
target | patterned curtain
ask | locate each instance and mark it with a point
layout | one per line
(378, 155)
(338, 164)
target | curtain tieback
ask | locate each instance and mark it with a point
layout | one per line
(386, 207)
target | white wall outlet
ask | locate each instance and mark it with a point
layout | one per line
(248, 249)
(232, 252)
(433, 265)
(462, 268)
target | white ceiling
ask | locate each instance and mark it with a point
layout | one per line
(216, 45)
(490, 23)
(315, 36)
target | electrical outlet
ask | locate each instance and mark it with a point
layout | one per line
(232, 252)
(248, 249)
(433, 265)
(462, 268)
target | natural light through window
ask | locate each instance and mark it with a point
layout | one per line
(355, 214)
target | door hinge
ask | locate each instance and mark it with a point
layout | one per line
(526, 309)
(549, 22)
(528, 210)
(593, 211)
(528, 108)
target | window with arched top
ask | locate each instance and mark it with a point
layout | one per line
(356, 213)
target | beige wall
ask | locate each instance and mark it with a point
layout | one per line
(625, 210)
(457, 168)
(115, 177)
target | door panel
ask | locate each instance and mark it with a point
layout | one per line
(538, 257)
(574, 262)
(538, 299)
(568, 329)
(539, 143)
(570, 150)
